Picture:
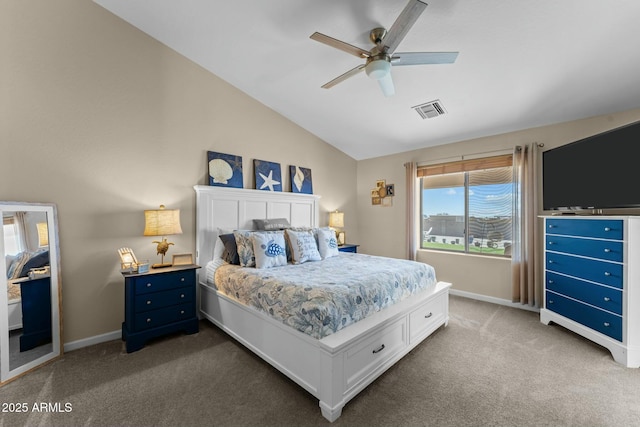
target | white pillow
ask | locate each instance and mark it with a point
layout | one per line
(327, 243)
(269, 249)
(218, 249)
(303, 246)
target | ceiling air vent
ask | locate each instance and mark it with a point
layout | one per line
(430, 109)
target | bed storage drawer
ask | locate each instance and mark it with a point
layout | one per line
(365, 357)
(426, 318)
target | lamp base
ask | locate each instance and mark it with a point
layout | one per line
(161, 265)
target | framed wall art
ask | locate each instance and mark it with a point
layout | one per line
(268, 175)
(300, 180)
(225, 170)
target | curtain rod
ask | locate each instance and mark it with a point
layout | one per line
(472, 155)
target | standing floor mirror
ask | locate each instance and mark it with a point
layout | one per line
(30, 293)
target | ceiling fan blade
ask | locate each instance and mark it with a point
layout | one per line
(403, 24)
(386, 84)
(345, 76)
(418, 58)
(338, 44)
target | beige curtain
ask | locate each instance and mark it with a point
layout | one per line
(410, 220)
(524, 256)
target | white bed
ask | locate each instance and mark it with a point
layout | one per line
(337, 367)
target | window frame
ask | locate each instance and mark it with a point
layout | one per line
(465, 167)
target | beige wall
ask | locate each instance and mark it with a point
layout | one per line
(381, 229)
(104, 121)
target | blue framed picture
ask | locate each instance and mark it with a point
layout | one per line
(300, 180)
(268, 175)
(225, 170)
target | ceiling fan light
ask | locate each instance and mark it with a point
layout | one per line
(378, 69)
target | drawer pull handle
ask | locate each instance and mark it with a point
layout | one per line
(551, 282)
(181, 295)
(181, 311)
(607, 299)
(149, 320)
(607, 229)
(606, 273)
(148, 302)
(551, 226)
(379, 349)
(428, 315)
(182, 279)
(607, 250)
(606, 324)
(551, 243)
(550, 261)
(148, 285)
(550, 301)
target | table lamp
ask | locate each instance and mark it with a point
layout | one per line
(162, 222)
(336, 221)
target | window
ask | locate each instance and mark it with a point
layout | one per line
(467, 206)
(11, 240)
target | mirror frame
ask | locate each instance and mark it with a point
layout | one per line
(7, 374)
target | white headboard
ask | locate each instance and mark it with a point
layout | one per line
(236, 208)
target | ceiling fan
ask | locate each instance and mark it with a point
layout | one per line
(380, 58)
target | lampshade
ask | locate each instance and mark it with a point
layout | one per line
(162, 222)
(336, 219)
(43, 234)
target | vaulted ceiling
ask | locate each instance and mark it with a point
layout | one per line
(521, 64)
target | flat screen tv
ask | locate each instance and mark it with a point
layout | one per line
(598, 172)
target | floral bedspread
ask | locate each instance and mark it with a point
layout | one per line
(323, 297)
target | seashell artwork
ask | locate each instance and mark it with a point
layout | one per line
(220, 171)
(225, 169)
(300, 180)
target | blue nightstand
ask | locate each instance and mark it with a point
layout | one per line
(159, 302)
(348, 248)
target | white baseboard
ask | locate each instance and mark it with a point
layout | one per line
(86, 342)
(493, 300)
(116, 335)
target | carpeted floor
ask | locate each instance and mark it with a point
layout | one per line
(492, 365)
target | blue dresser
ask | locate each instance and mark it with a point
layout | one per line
(590, 285)
(157, 303)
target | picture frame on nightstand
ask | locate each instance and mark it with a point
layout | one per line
(182, 259)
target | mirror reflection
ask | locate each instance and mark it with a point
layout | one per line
(26, 242)
(29, 316)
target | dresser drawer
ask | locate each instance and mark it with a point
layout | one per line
(609, 299)
(607, 273)
(423, 319)
(598, 228)
(163, 316)
(596, 319)
(162, 282)
(363, 359)
(602, 249)
(155, 300)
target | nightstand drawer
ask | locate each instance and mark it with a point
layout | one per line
(607, 298)
(155, 300)
(601, 228)
(601, 249)
(163, 282)
(598, 320)
(607, 273)
(163, 316)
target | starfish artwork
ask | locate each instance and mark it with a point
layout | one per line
(268, 175)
